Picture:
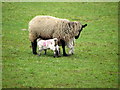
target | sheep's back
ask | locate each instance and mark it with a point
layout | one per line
(42, 26)
(50, 27)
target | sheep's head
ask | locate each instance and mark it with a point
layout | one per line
(75, 27)
(79, 29)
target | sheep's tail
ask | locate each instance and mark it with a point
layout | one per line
(24, 29)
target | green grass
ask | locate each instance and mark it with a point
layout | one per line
(94, 64)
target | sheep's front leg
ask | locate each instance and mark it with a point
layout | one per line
(71, 47)
(34, 47)
(63, 47)
(71, 51)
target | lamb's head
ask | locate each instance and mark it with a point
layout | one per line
(39, 39)
(56, 41)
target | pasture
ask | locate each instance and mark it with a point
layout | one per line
(94, 64)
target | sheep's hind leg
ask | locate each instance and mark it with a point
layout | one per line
(63, 47)
(34, 47)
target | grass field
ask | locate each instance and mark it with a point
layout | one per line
(94, 64)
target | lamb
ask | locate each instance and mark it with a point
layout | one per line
(48, 27)
(49, 44)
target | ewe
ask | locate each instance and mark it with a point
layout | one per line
(48, 27)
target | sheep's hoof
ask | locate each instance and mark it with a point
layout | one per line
(38, 54)
(59, 55)
(35, 53)
(44, 53)
(65, 55)
(56, 56)
(71, 54)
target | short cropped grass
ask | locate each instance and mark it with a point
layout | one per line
(94, 63)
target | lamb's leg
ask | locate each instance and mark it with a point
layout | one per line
(54, 54)
(59, 53)
(40, 52)
(63, 46)
(45, 52)
(57, 50)
(34, 47)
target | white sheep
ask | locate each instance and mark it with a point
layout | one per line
(48, 27)
(49, 44)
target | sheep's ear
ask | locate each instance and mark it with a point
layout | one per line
(83, 26)
(71, 24)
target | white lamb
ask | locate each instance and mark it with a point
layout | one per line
(49, 44)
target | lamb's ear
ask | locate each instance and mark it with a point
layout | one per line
(55, 39)
(83, 26)
(38, 39)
